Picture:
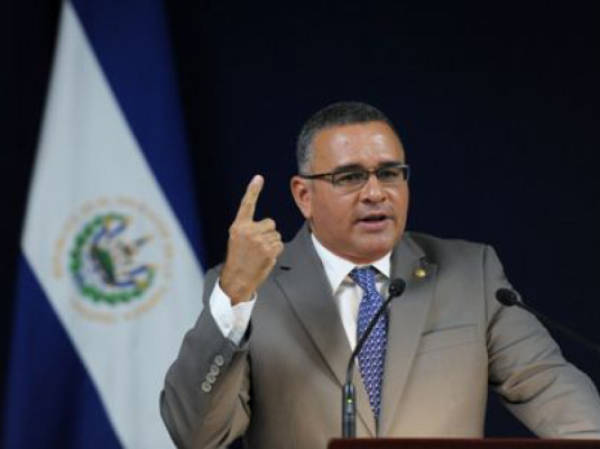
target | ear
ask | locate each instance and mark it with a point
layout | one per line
(302, 193)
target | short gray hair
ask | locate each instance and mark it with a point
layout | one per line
(336, 114)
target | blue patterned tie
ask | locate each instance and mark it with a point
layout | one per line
(371, 358)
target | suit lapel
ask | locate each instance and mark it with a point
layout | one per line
(407, 317)
(301, 277)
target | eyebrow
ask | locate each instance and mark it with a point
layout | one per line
(350, 167)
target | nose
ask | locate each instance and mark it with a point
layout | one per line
(372, 190)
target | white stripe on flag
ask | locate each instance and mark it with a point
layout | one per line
(89, 166)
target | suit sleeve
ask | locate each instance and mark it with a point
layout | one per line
(205, 400)
(526, 368)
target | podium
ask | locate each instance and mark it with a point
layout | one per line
(457, 443)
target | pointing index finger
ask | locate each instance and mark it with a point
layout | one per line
(248, 203)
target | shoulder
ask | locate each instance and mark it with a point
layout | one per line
(443, 250)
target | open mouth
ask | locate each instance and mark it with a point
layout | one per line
(373, 218)
(374, 222)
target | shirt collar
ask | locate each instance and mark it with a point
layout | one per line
(337, 268)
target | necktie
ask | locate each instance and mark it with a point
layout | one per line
(371, 358)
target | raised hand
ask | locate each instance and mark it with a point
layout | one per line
(252, 248)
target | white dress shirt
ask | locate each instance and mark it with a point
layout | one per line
(233, 320)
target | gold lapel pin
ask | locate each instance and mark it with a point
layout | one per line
(420, 272)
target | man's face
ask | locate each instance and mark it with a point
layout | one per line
(363, 224)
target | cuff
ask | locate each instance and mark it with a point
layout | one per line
(233, 321)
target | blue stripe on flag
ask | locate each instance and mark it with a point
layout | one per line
(135, 56)
(46, 407)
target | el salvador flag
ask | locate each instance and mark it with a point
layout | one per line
(109, 275)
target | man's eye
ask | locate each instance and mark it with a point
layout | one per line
(351, 177)
(389, 174)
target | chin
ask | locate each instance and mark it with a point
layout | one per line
(378, 243)
(372, 252)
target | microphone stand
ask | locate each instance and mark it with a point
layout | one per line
(509, 298)
(397, 287)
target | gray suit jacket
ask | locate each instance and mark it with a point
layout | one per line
(447, 339)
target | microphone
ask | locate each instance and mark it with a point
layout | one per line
(396, 288)
(509, 298)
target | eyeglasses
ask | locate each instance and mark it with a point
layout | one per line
(388, 174)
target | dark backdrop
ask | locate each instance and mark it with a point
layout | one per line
(497, 106)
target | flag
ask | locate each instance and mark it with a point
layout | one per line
(109, 276)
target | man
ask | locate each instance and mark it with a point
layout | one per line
(268, 354)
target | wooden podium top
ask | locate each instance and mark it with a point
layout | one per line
(458, 443)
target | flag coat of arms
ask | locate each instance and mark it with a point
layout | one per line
(109, 276)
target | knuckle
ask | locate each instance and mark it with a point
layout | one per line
(239, 230)
(237, 226)
(275, 249)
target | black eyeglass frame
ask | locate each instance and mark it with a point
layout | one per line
(330, 176)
